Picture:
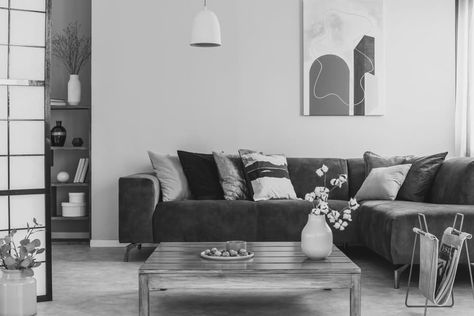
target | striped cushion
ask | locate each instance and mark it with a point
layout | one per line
(268, 175)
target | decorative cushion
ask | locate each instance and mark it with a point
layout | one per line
(231, 176)
(201, 172)
(170, 174)
(421, 176)
(383, 183)
(376, 161)
(268, 175)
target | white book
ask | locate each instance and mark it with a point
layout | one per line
(78, 170)
(84, 171)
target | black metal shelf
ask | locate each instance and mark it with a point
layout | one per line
(69, 148)
(62, 218)
(69, 108)
(69, 184)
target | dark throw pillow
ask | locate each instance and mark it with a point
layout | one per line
(420, 178)
(201, 172)
(376, 161)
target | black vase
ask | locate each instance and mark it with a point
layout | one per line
(58, 135)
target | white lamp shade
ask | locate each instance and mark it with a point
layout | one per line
(206, 30)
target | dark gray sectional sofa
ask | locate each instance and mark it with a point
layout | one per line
(382, 226)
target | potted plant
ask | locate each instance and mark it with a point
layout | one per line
(74, 50)
(17, 285)
(316, 237)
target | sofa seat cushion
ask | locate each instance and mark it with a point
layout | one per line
(205, 220)
(283, 220)
(386, 226)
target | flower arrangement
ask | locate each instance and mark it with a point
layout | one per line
(74, 50)
(319, 199)
(23, 256)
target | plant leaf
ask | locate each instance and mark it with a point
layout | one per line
(26, 263)
(24, 242)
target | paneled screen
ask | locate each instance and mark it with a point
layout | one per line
(24, 157)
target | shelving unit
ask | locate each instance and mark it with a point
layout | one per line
(76, 120)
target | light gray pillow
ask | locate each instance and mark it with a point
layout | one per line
(383, 183)
(231, 176)
(173, 182)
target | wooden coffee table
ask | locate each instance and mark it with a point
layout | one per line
(276, 265)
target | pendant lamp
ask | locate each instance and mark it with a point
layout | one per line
(206, 30)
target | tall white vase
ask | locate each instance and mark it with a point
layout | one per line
(17, 294)
(74, 90)
(316, 238)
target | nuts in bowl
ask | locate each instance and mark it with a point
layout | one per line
(223, 254)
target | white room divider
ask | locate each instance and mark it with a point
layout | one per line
(24, 125)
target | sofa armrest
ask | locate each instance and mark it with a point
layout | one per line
(138, 196)
(454, 183)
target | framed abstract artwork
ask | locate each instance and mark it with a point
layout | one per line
(343, 51)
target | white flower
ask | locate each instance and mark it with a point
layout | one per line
(341, 228)
(310, 197)
(353, 205)
(343, 178)
(315, 211)
(344, 224)
(336, 214)
(331, 218)
(347, 211)
(333, 181)
(320, 172)
(324, 168)
(320, 190)
(323, 207)
(347, 217)
(337, 225)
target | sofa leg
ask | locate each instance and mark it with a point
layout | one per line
(397, 273)
(128, 248)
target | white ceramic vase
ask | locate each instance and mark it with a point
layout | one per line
(316, 238)
(74, 90)
(17, 294)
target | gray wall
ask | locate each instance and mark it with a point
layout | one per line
(152, 91)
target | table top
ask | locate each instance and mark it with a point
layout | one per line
(278, 257)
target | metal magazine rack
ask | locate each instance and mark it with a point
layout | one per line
(438, 265)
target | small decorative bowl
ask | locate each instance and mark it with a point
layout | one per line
(235, 245)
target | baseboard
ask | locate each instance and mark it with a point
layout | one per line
(97, 243)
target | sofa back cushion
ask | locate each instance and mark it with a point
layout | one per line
(356, 176)
(454, 183)
(303, 175)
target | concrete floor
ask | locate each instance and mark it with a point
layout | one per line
(96, 282)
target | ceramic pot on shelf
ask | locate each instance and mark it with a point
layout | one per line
(316, 238)
(17, 293)
(74, 90)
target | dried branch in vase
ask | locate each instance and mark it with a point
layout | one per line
(72, 48)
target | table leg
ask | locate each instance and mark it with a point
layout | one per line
(355, 296)
(144, 295)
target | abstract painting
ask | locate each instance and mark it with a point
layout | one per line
(343, 47)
